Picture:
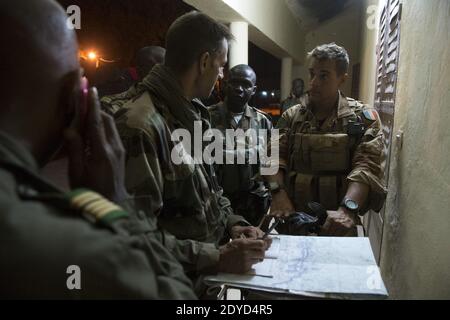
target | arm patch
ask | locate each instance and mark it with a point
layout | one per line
(370, 114)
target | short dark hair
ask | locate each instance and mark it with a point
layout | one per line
(298, 80)
(191, 35)
(243, 68)
(332, 51)
(147, 57)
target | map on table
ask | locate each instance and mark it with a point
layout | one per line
(333, 267)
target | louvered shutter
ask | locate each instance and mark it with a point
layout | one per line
(386, 83)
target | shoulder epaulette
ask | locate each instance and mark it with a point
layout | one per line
(96, 206)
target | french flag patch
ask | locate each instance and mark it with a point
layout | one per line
(370, 114)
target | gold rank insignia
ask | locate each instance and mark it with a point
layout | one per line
(95, 205)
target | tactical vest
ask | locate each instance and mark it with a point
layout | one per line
(319, 161)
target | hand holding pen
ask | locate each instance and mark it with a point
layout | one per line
(273, 226)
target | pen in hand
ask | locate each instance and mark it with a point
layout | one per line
(273, 226)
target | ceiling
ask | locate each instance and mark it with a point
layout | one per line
(310, 13)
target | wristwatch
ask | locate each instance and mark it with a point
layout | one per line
(350, 205)
(275, 187)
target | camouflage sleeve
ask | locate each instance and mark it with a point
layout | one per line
(367, 166)
(113, 103)
(108, 106)
(195, 257)
(144, 178)
(225, 206)
(236, 220)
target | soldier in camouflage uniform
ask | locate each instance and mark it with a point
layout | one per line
(44, 232)
(185, 196)
(330, 149)
(242, 183)
(146, 58)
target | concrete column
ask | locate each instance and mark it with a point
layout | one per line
(286, 77)
(239, 47)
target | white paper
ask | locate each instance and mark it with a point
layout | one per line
(343, 266)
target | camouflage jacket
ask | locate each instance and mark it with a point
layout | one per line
(185, 197)
(43, 231)
(112, 103)
(298, 128)
(288, 103)
(235, 178)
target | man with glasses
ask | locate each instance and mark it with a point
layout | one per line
(242, 183)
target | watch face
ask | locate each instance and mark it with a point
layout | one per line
(352, 205)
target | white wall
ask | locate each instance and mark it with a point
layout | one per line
(415, 256)
(275, 20)
(272, 25)
(415, 252)
(344, 30)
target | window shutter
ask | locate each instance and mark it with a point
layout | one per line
(388, 50)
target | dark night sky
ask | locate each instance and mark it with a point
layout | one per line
(266, 66)
(116, 29)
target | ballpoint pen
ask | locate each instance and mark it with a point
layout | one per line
(273, 226)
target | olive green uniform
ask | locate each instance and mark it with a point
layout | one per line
(185, 197)
(242, 183)
(43, 231)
